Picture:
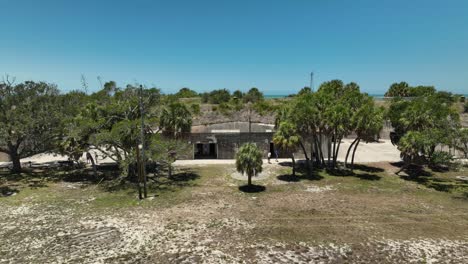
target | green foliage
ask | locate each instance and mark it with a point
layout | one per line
(216, 96)
(186, 93)
(253, 95)
(421, 90)
(167, 150)
(304, 91)
(331, 113)
(403, 89)
(195, 108)
(398, 90)
(461, 141)
(287, 137)
(423, 113)
(30, 118)
(225, 108)
(262, 107)
(176, 119)
(424, 123)
(238, 94)
(249, 160)
(441, 158)
(110, 122)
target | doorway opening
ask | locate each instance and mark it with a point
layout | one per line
(205, 151)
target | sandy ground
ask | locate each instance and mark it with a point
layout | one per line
(332, 220)
(366, 153)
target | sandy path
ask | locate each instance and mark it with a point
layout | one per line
(366, 152)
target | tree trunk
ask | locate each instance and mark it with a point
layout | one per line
(329, 143)
(139, 177)
(316, 151)
(293, 165)
(15, 159)
(322, 158)
(354, 152)
(307, 158)
(337, 151)
(249, 180)
(93, 164)
(304, 150)
(333, 152)
(349, 150)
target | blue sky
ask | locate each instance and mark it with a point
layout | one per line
(207, 44)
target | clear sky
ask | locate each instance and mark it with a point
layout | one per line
(211, 44)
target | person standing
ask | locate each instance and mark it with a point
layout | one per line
(276, 155)
(269, 157)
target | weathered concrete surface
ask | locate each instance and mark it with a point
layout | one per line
(4, 157)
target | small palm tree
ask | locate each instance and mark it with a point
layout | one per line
(249, 161)
(288, 139)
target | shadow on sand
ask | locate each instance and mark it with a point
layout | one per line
(252, 188)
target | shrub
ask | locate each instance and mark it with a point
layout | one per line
(465, 107)
(195, 108)
(441, 158)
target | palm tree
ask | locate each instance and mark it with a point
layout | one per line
(249, 161)
(176, 119)
(288, 139)
(367, 123)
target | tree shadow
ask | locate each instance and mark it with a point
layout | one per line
(252, 188)
(368, 172)
(6, 191)
(368, 176)
(418, 174)
(302, 173)
(413, 171)
(289, 178)
(367, 168)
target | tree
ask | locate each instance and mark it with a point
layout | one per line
(288, 139)
(367, 122)
(219, 96)
(166, 151)
(238, 94)
(253, 96)
(462, 141)
(176, 119)
(398, 90)
(421, 90)
(29, 119)
(111, 123)
(304, 91)
(249, 161)
(186, 93)
(422, 124)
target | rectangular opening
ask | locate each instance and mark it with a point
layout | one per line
(205, 151)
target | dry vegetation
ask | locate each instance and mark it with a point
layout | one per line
(201, 216)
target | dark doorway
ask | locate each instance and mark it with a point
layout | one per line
(205, 151)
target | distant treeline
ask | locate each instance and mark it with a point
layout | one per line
(222, 95)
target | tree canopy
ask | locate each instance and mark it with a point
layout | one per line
(29, 119)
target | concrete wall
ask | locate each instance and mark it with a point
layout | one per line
(242, 127)
(4, 157)
(229, 143)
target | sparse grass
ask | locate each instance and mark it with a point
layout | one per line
(202, 207)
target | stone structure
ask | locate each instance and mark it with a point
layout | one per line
(4, 157)
(221, 141)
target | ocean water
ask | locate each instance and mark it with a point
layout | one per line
(375, 96)
(274, 96)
